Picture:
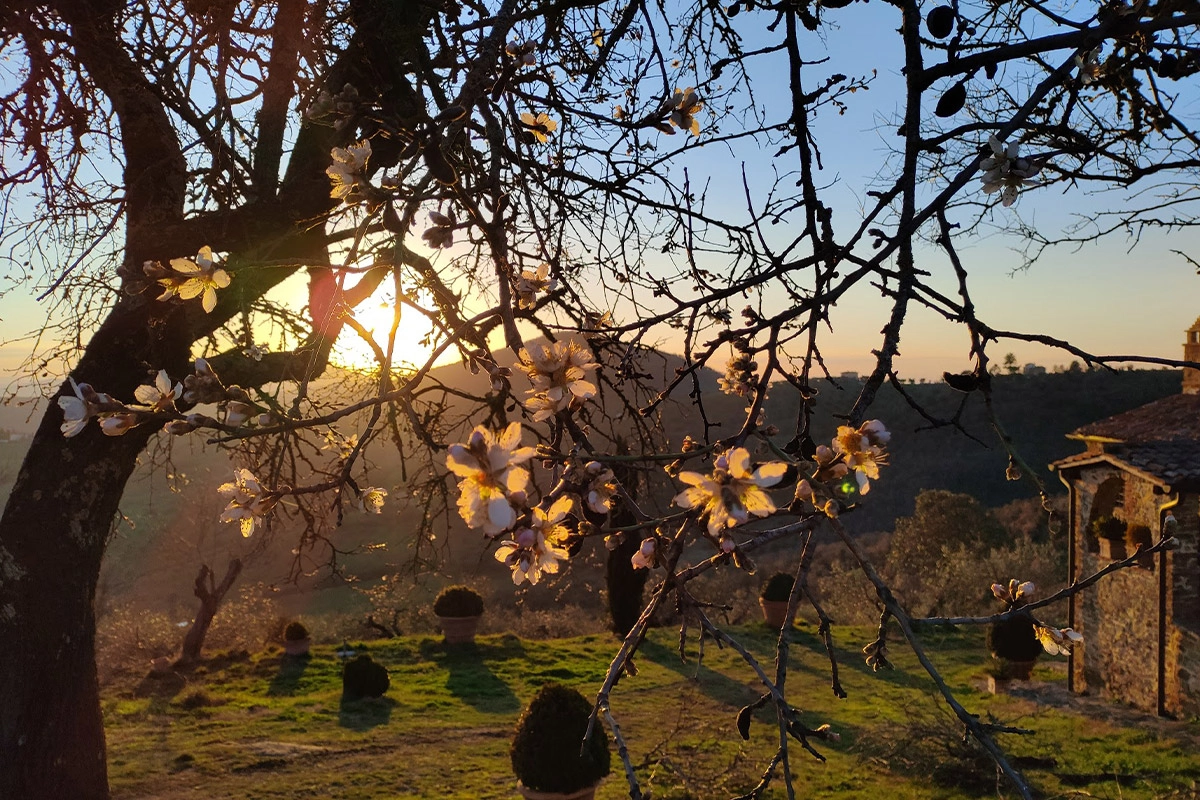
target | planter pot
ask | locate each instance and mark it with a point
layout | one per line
(297, 647)
(1112, 549)
(998, 685)
(775, 612)
(459, 630)
(1016, 670)
(586, 793)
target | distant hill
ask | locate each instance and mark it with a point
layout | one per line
(157, 550)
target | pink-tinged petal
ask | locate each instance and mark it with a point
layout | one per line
(162, 382)
(864, 485)
(739, 462)
(769, 474)
(185, 266)
(583, 389)
(461, 461)
(562, 506)
(693, 478)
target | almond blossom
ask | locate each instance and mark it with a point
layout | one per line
(371, 499)
(1006, 172)
(863, 450)
(493, 483)
(684, 105)
(249, 502)
(80, 408)
(647, 555)
(346, 171)
(535, 551)
(200, 278)
(1089, 65)
(540, 127)
(1013, 591)
(557, 373)
(1055, 641)
(733, 493)
(161, 396)
(531, 283)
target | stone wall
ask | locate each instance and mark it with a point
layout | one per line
(1119, 616)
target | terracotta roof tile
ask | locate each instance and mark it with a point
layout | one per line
(1172, 419)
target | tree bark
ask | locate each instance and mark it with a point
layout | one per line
(210, 595)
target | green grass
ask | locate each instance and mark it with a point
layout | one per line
(265, 727)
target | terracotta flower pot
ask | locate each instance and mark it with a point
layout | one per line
(586, 793)
(297, 647)
(775, 613)
(459, 630)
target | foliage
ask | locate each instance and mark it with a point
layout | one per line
(549, 753)
(295, 632)
(363, 677)
(458, 601)
(778, 587)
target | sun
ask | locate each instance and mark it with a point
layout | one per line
(413, 345)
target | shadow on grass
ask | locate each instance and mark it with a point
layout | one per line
(365, 713)
(287, 679)
(716, 685)
(470, 679)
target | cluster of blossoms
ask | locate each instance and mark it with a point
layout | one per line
(684, 105)
(346, 173)
(557, 373)
(493, 497)
(493, 483)
(1013, 591)
(863, 450)
(1005, 171)
(249, 502)
(740, 376)
(186, 278)
(531, 283)
(441, 234)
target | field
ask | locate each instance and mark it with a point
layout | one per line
(260, 726)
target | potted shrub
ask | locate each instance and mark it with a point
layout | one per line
(458, 609)
(364, 677)
(546, 755)
(296, 640)
(774, 600)
(1110, 537)
(1013, 643)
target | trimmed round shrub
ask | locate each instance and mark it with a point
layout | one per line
(363, 677)
(1014, 640)
(295, 632)
(778, 587)
(458, 601)
(546, 747)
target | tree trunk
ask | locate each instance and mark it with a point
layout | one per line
(210, 599)
(53, 533)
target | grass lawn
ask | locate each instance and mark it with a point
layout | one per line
(262, 726)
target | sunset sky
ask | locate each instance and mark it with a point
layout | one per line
(1105, 298)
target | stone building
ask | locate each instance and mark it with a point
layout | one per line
(1140, 626)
